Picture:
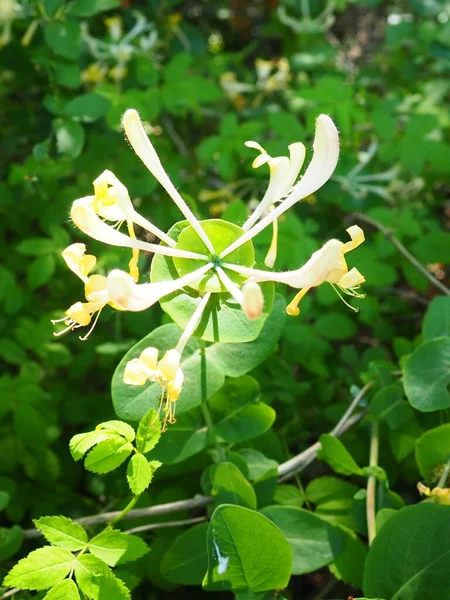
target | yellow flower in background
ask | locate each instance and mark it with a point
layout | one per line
(439, 495)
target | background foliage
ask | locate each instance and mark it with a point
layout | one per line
(380, 70)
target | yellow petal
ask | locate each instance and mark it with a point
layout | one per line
(79, 313)
(78, 261)
(169, 364)
(351, 279)
(356, 235)
(135, 372)
(149, 357)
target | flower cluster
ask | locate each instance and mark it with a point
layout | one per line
(102, 215)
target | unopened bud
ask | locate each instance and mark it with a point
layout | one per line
(253, 300)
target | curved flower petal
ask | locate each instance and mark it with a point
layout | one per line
(127, 294)
(143, 147)
(110, 193)
(320, 169)
(85, 218)
(78, 261)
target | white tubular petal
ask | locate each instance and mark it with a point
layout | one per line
(313, 273)
(297, 153)
(169, 364)
(255, 145)
(232, 288)
(193, 323)
(144, 149)
(320, 169)
(120, 193)
(253, 300)
(85, 218)
(278, 187)
(127, 294)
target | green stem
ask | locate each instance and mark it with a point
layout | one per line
(125, 511)
(204, 405)
(372, 482)
(445, 473)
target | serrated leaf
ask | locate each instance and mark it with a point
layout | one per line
(82, 442)
(108, 455)
(64, 590)
(139, 474)
(96, 580)
(62, 532)
(114, 546)
(119, 427)
(149, 431)
(41, 569)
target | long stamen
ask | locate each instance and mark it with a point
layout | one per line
(90, 223)
(71, 325)
(343, 299)
(85, 337)
(292, 308)
(193, 323)
(141, 144)
(231, 286)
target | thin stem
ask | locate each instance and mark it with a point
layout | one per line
(301, 461)
(124, 512)
(372, 482)
(445, 473)
(401, 248)
(152, 526)
(10, 593)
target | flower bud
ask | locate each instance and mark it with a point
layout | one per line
(253, 300)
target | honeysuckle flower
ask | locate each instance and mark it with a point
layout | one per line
(204, 271)
(95, 288)
(326, 265)
(167, 372)
(439, 495)
(272, 74)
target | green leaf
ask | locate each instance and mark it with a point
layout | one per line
(87, 107)
(62, 532)
(436, 322)
(289, 495)
(88, 8)
(223, 320)
(132, 402)
(389, 405)
(426, 375)
(433, 451)
(186, 561)
(140, 473)
(149, 431)
(409, 557)
(314, 542)
(336, 326)
(349, 565)
(64, 38)
(41, 569)
(64, 590)
(10, 541)
(239, 359)
(108, 455)
(116, 547)
(231, 487)
(337, 456)
(237, 413)
(40, 271)
(119, 427)
(332, 498)
(183, 439)
(69, 137)
(246, 550)
(96, 581)
(82, 442)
